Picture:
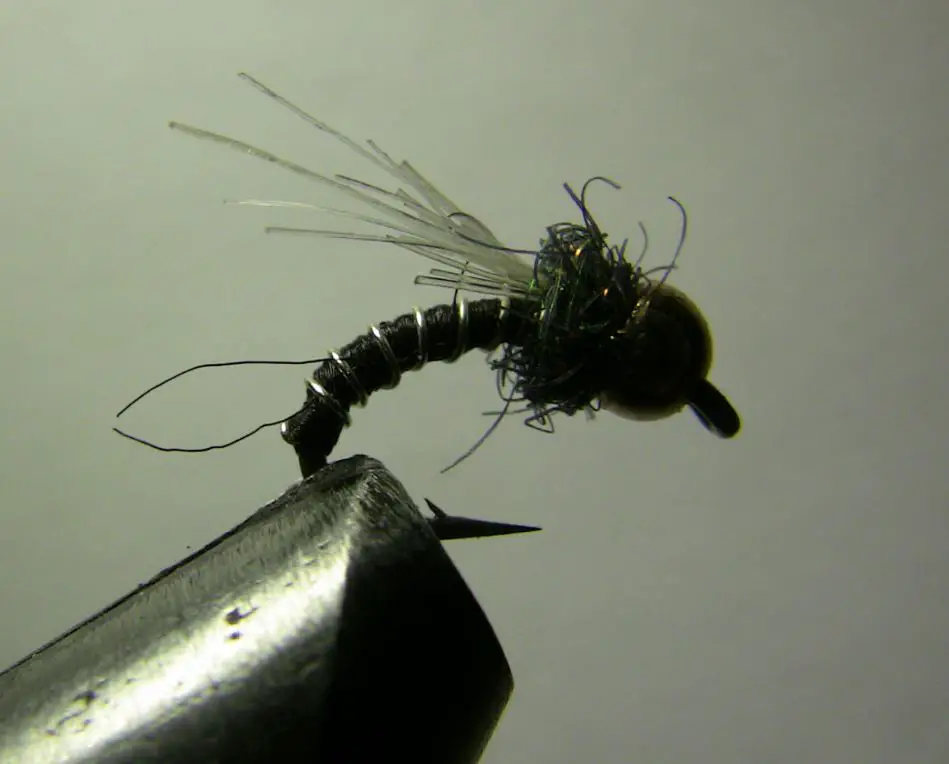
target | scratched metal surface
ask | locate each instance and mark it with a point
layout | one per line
(310, 632)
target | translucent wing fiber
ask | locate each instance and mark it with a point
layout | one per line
(415, 215)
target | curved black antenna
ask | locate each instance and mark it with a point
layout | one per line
(245, 436)
(218, 365)
(203, 449)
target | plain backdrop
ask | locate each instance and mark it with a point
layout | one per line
(778, 598)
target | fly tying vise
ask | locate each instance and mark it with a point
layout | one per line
(572, 326)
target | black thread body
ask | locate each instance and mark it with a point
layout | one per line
(315, 429)
(595, 325)
(560, 351)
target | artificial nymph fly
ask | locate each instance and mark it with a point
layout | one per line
(571, 326)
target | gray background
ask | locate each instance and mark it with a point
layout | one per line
(779, 598)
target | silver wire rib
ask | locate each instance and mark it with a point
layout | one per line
(461, 344)
(422, 330)
(386, 349)
(315, 388)
(347, 371)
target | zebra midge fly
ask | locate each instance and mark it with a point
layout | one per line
(571, 326)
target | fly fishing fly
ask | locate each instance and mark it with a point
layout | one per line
(571, 326)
